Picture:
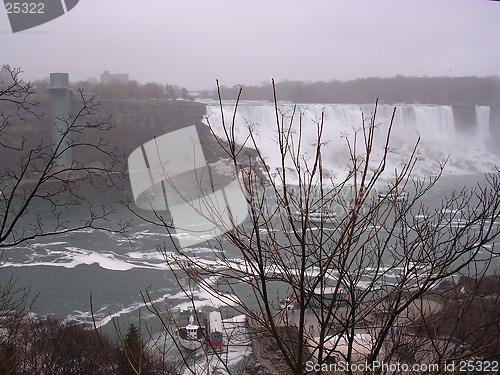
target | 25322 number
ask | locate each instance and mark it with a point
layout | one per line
(25, 8)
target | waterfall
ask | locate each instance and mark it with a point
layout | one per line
(433, 124)
(483, 122)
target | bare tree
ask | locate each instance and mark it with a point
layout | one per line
(38, 198)
(351, 284)
(33, 182)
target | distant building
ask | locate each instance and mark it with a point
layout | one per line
(107, 78)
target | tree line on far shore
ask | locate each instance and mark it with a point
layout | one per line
(122, 90)
(398, 89)
(394, 90)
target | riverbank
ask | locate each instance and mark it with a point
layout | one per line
(267, 358)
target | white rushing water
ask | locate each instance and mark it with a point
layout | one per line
(483, 122)
(435, 125)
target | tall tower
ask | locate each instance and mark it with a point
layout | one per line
(60, 107)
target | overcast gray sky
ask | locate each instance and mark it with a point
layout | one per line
(193, 42)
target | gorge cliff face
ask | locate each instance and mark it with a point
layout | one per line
(132, 124)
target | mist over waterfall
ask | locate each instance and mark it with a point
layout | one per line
(466, 152)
